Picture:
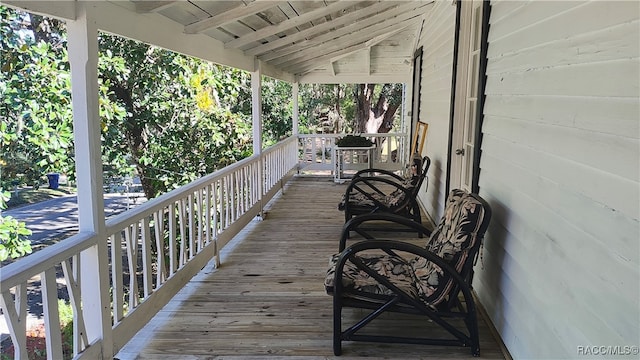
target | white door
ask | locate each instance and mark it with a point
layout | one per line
(466, 103)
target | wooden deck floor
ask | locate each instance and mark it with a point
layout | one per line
(267, 300)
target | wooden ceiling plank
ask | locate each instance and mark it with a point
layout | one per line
(289, 24)
(363, 34)
(258, 50)
(153, 6)
(346, 30)
(312, 59)
(227, 17)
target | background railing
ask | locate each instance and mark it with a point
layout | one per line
(316, 151)
(151, 252)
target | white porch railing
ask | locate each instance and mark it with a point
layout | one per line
(155, 249)
(318, 155)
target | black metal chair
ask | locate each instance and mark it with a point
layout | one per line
(378, 190)
(396, 276)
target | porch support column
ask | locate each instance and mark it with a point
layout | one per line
(256, 112)
(94, 267)
(296, 108)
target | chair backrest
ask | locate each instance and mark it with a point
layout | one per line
(421, 171)
(456, 239)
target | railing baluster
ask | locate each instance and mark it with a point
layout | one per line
(173, 257)
(71, 270)
(53, 337)
(15, 312)
(116, 277)
(158, 227)
(183, 235)
(147, 276)
(131, 236)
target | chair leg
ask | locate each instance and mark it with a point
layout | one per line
(337, 327)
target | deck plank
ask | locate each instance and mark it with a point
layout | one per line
(268, 299)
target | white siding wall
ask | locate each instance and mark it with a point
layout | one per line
(560, 166)
(437, 41)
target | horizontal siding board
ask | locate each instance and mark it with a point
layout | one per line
(606, 79)
(514, 33)
(546, 257)
(608, 153)
(613, 116)
(595, 223)
(609, 190)
(612, 43)
(503, 9)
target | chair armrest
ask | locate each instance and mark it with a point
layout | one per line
(379, 216)
(391, 246)
(381, 171)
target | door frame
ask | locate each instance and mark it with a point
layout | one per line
(479, 114)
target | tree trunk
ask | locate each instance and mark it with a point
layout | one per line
(376, 118)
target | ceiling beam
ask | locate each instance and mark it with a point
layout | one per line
(361, 35)
(346, 30)
(232, 15)
(58, 9)
(289, 24)
(311, 60)
(143, 7)
(320, 28)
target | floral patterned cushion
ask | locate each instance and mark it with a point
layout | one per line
(452, 239)
(394, 268)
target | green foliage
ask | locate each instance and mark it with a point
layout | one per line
(353, 141)
(171, 117)
(277, 111)
(14, 241)
(36, 129)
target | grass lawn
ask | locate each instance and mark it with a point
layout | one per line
(28, 195)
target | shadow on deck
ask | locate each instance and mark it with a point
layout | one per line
(268, 300)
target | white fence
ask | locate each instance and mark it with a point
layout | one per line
(145, 256)
(317, 151)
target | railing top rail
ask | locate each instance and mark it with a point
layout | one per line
(21, 271)
(361, 134)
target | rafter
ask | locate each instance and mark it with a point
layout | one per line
(342, 20)
(359, 35)
(232, 15)
(153, 6)
(289, 24)
(309, 61)
(346, 30)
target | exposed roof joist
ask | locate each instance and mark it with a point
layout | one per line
(335, 23)
(153, 6)
(306, 63)
(232, 15)
(348, 30)
(289, 24)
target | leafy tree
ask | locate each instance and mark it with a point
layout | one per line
(36, 123)
(178, 124)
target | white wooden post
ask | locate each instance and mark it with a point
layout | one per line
(296, 108)
(83, 58)
(256, 111)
